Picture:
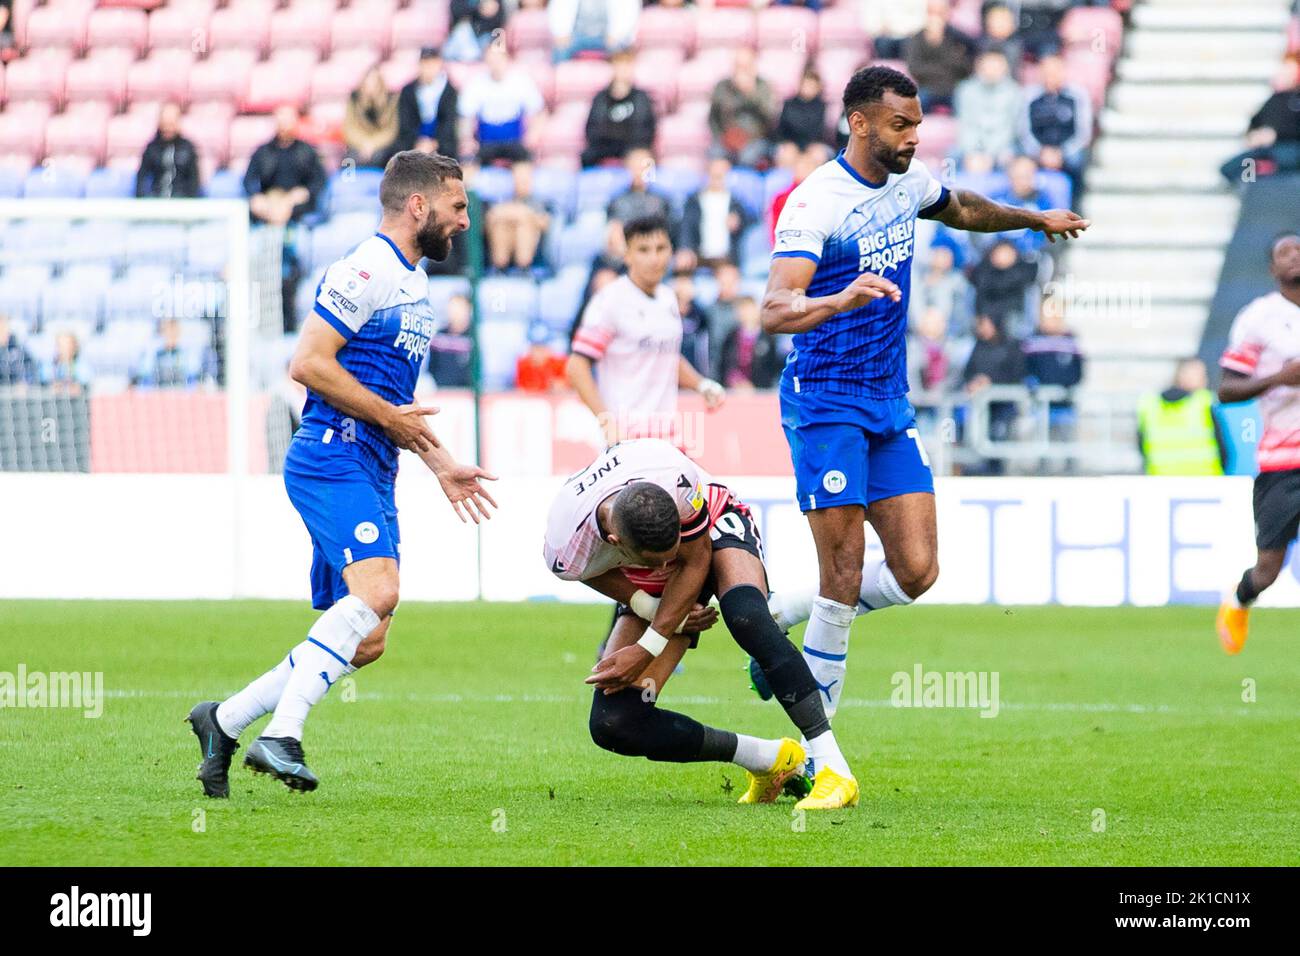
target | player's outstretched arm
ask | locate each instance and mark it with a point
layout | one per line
(461, 484)
(788, 309)
(1235, 387)
(975, 213)
(315, 365)
(688, 377)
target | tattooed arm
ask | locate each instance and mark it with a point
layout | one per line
(974, 213)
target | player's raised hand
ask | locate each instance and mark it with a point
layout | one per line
(616, 671)
(407, 428)
(1063, 223)
(468, 497)
(868, 286)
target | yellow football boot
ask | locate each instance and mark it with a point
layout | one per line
(830, 792)
(766, 787)
(1233, 623)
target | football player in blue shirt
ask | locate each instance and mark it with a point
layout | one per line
(359, 354)
(839, 280)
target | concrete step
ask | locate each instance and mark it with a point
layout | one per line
(1226, 15)
(1111, 373)
(1240, 99)
(1193, 70)
(1142, 179)
(1157, 330)
(1138, 235)
(1117, 266)
(1188, 126)
(1176, 211)
(1205, 45)
(1165, 154)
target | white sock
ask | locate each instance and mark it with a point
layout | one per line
(826, 649)
(258, 698)
(789, 608)
(880, 588)
(756, 754)
(319, 661)
(823, 751)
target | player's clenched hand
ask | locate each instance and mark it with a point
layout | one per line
(616, 671)
(1063, 223)
(864, 288)
(407, 428)
(701, 618)
(467, 496)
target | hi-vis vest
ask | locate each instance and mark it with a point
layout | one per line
(1178, 437)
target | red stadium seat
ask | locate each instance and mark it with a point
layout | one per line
(1293, 36)
(788, 28)
(303, 25)
(164, 75)
(22, 130)
(109, 27)
(461, 74)
(1090, 71)
(366, 24)
(562, 135)
(400, 68)
(682, 137)
(701, 74)
(285, 78)
(725, 28)
(418, 25)
(337, 77)
(672, 27)
(581, 80)
(938, 135)
(247, 133)
(245, 24)
(61, 24)
(223, 76)
(100, 76)
(178, 26)
(840, 28)
(656, 72)
(528, 30)
(1098, 29)
(328, 114)
(782, 69)
(81, 130)
(128, 134)
(207, 125)
(38, 76)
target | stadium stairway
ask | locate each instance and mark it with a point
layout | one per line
(1191, 74)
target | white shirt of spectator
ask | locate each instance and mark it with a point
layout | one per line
(715, 238)
(1264, 337)
(635, 341)
(497, 102)
(575, 549)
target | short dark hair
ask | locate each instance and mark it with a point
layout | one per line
(646, 517)
(644, 226)
(413, 171)
(869, 84)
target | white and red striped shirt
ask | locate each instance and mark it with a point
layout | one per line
(1264, 337)
(576, 549)
(636, 341)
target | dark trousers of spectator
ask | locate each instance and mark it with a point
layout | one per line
(1261, 161)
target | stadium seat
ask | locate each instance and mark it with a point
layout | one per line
(581, 80)
(337, 77)
(418, 25)
(22, 129)
(400, 68)
(164, 75)
(333, 239)
(223, 76)
(671, 27)
(366, 25)
(782, 69)
(560, 298)
(677, 182)
(110, 27)
(938, 135)
(51, 181)
(500, 345)
(528, 30)
(100, 76)
(725, 28)
(557, 187)
(156, 243)
(174, 26)
(1098, 30)
(37, 76)
(967, 18)
(755, 252)
(701, 74)
(506, 298)
(354, 190)
(561, 134)
(108, 183)
(284, 78)
(243, 24)
(656, 72)
(581, 241)
(840, 27)
(61, 24)
(247, 133)
(302, 25)
(1089, 71)
(775, 181)
(205, 248)
(494, 184)
(225, 184)
(682, 135)
(787, 28)
(597, 186)
(81, 130)
(209, 133)
(746, 186)
(11, 181)
(836, 65)
(442, 288)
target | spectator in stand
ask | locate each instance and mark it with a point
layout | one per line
(1052, 357)
(890, 23)
(7, 48)
(750, 356)
(995, 359)
(1040, 25)
(712, 222)
(742, 113)
(495, 108)
(285, 177)
(817, 154)
(636, 202)
(932, 360)
(695, 327)
(541, 369)
(1001, 32)
(938, 57)
(1023, 193)
(66, 374)
(1273, 138)
(988, 111)
(169, 363)
(474, 25)
(427, 111)
(17, 367)
(169, 168)
(515, 226)
(721, 315)
(803, 116)
(942, 287)
(591, 26)
(451, 350)
(1056, 124)
(1179, 432)
(1001, 280)
(622, 116)
(370, 124)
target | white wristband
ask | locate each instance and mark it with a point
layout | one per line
(644, 605)
(708, 385)
(653, 641)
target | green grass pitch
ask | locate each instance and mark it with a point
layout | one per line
(1123, 739)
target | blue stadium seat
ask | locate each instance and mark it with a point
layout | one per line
(205, 248)
(755, 252)
(133, 296)
(11, 182)
(54, 182)
(747, 186)
(442, 288)
(335, 238)
(775, 181)
(500, 345)
(580, 241)
(98, 240)
(494, 184)
(506, 298)
(678, 183)
(597, 186)
(560, 298)
(225, 184)
(109, 183)
(353, 190)
(156, 243)
(556, 187)
(20, 291)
